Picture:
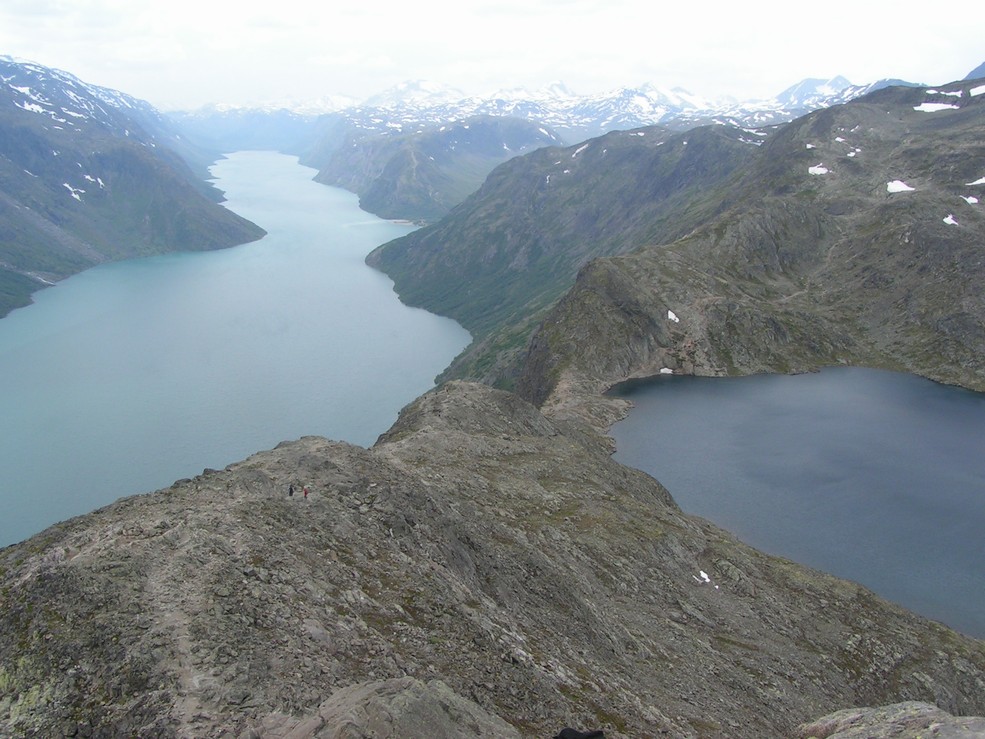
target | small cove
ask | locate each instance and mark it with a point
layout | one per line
(874, 476)
(131, 375)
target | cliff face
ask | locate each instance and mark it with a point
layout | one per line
(862, 245)
(499, 563)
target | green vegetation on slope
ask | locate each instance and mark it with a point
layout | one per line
(513, 248)
(823, 259)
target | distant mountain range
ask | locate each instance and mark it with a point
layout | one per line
(89, 174)
(411, 105)
(376, 148)
(578, 117)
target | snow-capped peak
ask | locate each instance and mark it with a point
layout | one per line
(806, 92)
(415, 92)
(556, 91)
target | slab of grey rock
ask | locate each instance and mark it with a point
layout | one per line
(400, 707)
(907, 720)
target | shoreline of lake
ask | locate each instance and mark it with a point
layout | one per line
(846, 470)
(133, 374)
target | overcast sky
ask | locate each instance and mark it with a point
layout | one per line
(186, 53)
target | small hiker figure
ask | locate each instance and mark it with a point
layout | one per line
(305, 492)
(290, 490)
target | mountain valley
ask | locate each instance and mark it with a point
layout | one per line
(486, 568)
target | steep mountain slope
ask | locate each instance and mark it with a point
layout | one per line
(501, 558)
(421, 175)
(515, 246)
(783, 207)
(86, 176)
(858, 238)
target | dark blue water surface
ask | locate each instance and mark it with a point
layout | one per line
(874, 476)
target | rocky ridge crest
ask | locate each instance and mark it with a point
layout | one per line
(478, 543)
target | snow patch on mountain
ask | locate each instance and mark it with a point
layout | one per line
(69, 101)
(934, 107)
(898, 186)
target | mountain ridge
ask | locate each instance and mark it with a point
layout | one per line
(475, 527)
(816, 177)
(88, 175)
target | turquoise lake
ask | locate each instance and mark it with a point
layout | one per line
(131, 375)
(874, 476)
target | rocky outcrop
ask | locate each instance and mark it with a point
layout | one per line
(399, 707)
(479, 544)
(909, 720)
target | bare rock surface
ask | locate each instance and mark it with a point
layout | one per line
(909, 720)
(402, 707)
(479, 544)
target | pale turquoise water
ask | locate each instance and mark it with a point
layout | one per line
(874, 476)
(131, 375)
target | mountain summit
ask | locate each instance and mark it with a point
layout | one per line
(811, 92)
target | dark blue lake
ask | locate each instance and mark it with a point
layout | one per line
(873, 476)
